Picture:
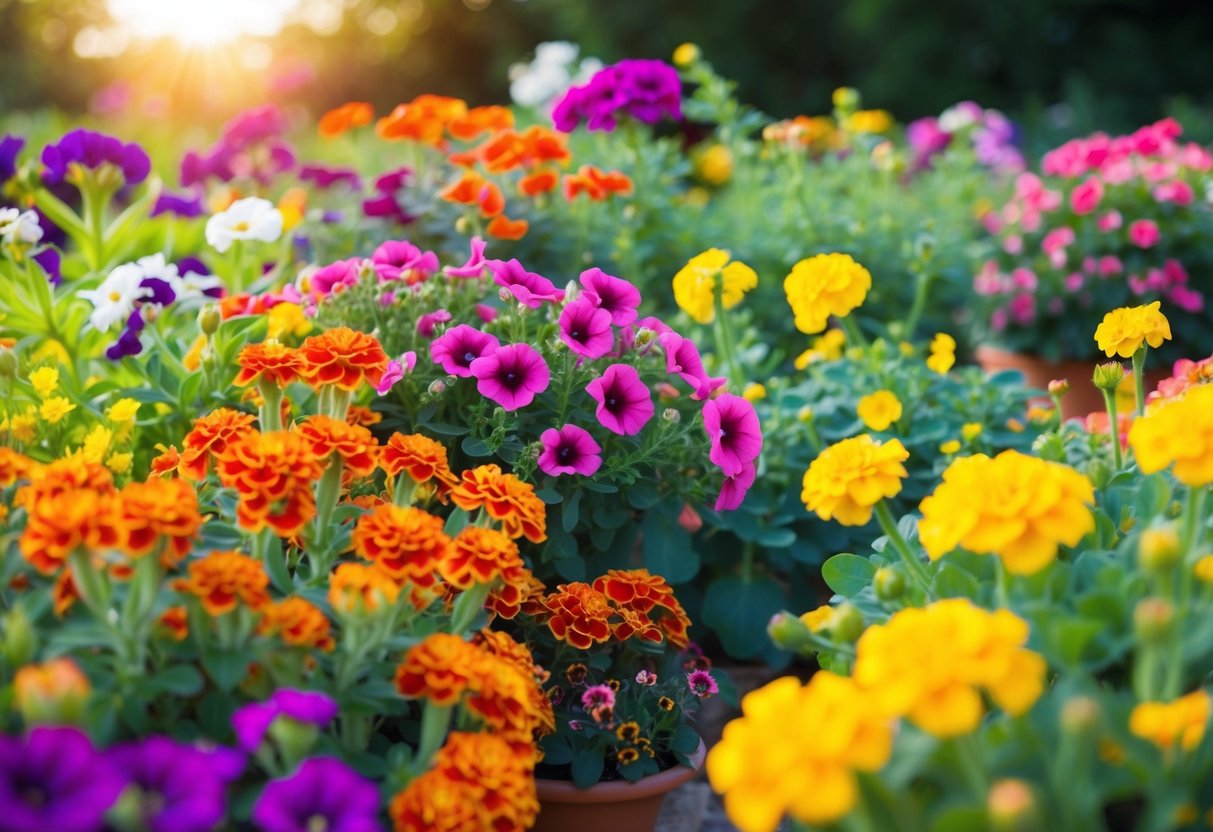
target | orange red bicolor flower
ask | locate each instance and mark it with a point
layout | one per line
(506, 498)
(272, 474)
(271, 360)
(343, 357)
(407, 544)
(224, 580)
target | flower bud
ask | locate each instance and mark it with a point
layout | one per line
(52, 693)
(8, 363)
(846, 98)
(788, 632)
(1153, 619)
(1079, 715)
(1099, 472)
(888, 583)
(1108, 376)
(1012, 807)
(671, 415)
(1050, 447)
(461, 225)
(504, 295)
(209, 319)
(847, 623)
(20, 638)
(293, 737)
(1158, 549)
(924, 247)
(805, 414)
(685, 55)
(437, 387)
(1059, 387)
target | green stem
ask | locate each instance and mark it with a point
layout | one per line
(467, 606)
(917, 570)
(327, 494)
(724, 334)
(855, 335)
(1139, 382)
(435, 720)
(972, 765)
(270, 415)
(921, 290)
(1173, 679)
(1109, 399)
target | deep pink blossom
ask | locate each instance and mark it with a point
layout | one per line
(624, 403)
(1086, 197)
(682, 358)
(335, 277)
(735, 433)
(397, 369)
(614, 294)
(459, 346)
(401, 260)
(512, 375)
(529, 288)
(486, 313)
(586, 328)
(1144, 233)
(475, 265)
(569, 450)
(702, 684)
(427, 322)
(1109, 222)
(734, 489)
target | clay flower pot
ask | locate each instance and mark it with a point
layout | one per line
(610, 807)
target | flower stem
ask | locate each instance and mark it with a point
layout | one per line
(854, 334)
(921, 290)
(889, 525)
(435, 719)
(1191, 531)
(1139, 382)
(1109, 398)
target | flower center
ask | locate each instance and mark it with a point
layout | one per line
(317, 823)
(33, 796)
(240, 226)
(115, 297)
(469, 356)
(563, 453)
(576, 334)
(612, 402)
(511, 378)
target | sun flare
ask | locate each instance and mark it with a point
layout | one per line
(201, 22)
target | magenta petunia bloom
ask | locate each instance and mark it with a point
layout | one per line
(597, 696)
(732, 425)
(702, 684)
(401, 260)
(323, 793)
(734, 489)
(569, 450)
(475, 265)
(682, 359)
(326, 176)
(614, 294)
(624, 403)
(459, 346)
(182, 788)
(586, 329)
(53, 778)
(486, 313)
(512, 375)
(530, 289)
(250, 722)
(328, 279)
(396, 370)
(427, 322)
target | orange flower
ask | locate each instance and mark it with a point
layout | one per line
(505, 151)
(337, 121)
(479, 556)
(223, 580)
(478, 782)
(271, 360)
(596, 184)
(272, 474)
(355, 588)
(58, 522)
(420, 456)
(14, 466)
(174, 623)
(210, 436)
(504, 228)
(424, 119)
(490, 200)
(52, 690)
(298, 622)
(355, 445)
(64, 592)
(636, 589)
(505, 498)
(165, 510)
(502, 646)
(481, 120)
(520, 591)
(405, 543)
(67, 473)
(466, 190)
(440, 668)
(359, 415)
(545, 145)
(167, 462)
(579, 615)
(344, 357)
(539, 182)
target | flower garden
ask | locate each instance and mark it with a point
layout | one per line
(461, 466)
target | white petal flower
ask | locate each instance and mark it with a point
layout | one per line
(557, 52)
(19, 227)
(251, 218)
(114, 300)
(193, 285)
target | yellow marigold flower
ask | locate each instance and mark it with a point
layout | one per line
(791, 734)
(123, 410)
(695, 285)
(96, 443)
(1123, 330)
(943, 353)
(54, 409)
(1177, 432)
(818, 619)
(869, 121)
(23, 427)
(950, 447)
(1204, 569)
(754, 391)
(825, 285)
(970, 431)
(851, 476)
(686, 54)
(714, 165)
(287, 319)
(828, 346)
(120, 463)
(1167, 724)
(879, 410)
(1015, 506)
(44, 380)
(193, 358)
(901, 665)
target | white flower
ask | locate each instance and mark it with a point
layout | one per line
(557, 52)
(194, 285)
(546, 78)
(19, 227)
(115, 298)
(251, 218)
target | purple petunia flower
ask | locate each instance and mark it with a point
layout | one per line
(383, 202)
(459, 346)
(646, 90)
(53, 778)
(49, 259)
(569, 450)
(614, 294)
(324, 793)
(401, 260)
(530, 289)
(326, 176)
(250, 722)
(733, 428)
(512, 375)
(427, 322)
(586, 328)
(92, 150)
(184, 788)
(254, 125)
(128, 342)
(734, 489)
(187, 205)
(10, 149)
(474, 267)
(682, 359)
(624, 403)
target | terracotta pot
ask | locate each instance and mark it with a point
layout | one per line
(617, 806)
(1084, 397)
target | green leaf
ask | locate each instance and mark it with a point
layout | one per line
(953, 582)
(557, 751)
(848, 574)
(667, 547)
(180, 679)
(275, 565)
(476, 447)
(227, 668)
(685, 740)
(961, 819)
(571, 512)
(587, 768)
(738, 611)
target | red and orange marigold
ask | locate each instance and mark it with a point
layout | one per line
(160, 510)
(210, 436)
(272, 474)
(271, 360)
(354, 444)
(343, 357)
(406, 543)
(651, 596)
(421, 457)
(440, 668)
(356, 587)
(58, 522)
(505, 498)
(224, 580)
(298, 622)
(479, 556)
(579, 615)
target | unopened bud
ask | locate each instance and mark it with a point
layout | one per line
(889, 583)
(1011, 807)
(1099, 472)
(1079, 715)
(644, 336)
(461, 225)
(671, 415)
(437, 387)
(1153, 619)
(209, 319)
(52, 693)
(805, 414)
(846, 98)
(293, 737)
(1108, 376)
(1050, 447)
(8, 363)
(788, 632)
(1158, 549)
(846, 623)
(504, 294)
(685, 55)
(1059, 387)
(20, 638)
(924, 247)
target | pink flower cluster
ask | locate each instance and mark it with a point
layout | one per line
(989, 132)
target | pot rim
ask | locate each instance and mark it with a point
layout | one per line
(563, 791)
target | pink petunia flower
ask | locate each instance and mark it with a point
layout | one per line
(427, 322)
(1144, 233)
(614, 294)
(401, 260)
(624, 403)
(459, 346)
(512, 375)
(1086, 197)
(397, 369)
(475, 265)
(682, 359)
(569, 450)
(486, 313)
(586, 328)
(528, 288)
(335, 277)
(736, 435)
(1110, 221)
(734, 489)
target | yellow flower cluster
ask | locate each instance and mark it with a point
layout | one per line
(931, 664)
(695, 285)
(1178, 432)
(825, 285)
(1123, 330)
(796, 749)
(1015, 506)
(44, 380)
(851, 476)
(943, 353)
(879, 410)
(1167, 724)
(826, 347)
(869, 121)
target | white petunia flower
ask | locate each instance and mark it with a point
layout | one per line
(251, 218)
(114, 300)
(546, 78)
(193, 285)
(19, 227)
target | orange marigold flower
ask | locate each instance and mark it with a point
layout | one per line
(337, 121)
(355, 587)
(579, 615)
(58, 522)
(299, 623)
(64, 593)
(596, 184)
(505, 151)
(424, 119)
(223, 580)
(155, 511)
(272, 474)
(359, 415)
(440, 668)
(210, 436)
(14, 466)
(504, 228)
(174, 623)
(505, 498)
(649, 595)
(423, 458)
(466, 190)
(519, 591)
(481, 120)
(545, 145)
(271, 360)
(344, 357)
(67, 474)
(504, 647)
(491, 200)
(539, 182)
(354, 444)
(167, 462)
(405, 543)
(479, 556)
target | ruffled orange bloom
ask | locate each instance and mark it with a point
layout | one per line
(505, 498)
(354, 444)
(544, 144)
(474, 189)
(504, 647)
(272, 474)
(579, 615)
(58, 522)
(478, 782)
(174, 623)
(424, 119)
(14, 466)
(491, 200)
(359, 415)
(298, 622)
(166, 463)
(596, 184)
(441, 668)
(405, 543)
(651, 596)
(67, 473)
(155, 511)
(344, 357)
(223, 580)
(64, 593)
(271, 360)
(505, 151)
(504, 228)
(210, 436)
(519, 591)
(421, 457)
(337, 121)
(479, 556)
(354, 588)
(481, 120)
(539, 182)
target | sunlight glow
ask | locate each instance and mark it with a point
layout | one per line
(201, 22)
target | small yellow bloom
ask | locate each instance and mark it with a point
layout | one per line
(848, 478)
(950, 447)
(754, 392)
(193, 359)
(714, 165)
(23, 427)
(1039, 414)
(828, 346)
(805, 414)
(696, 284)
(119, 463)
(54, 409)
(1014, 425)
(292, 206)
(1124, 330)
(845, 98)
(869, 121)
(1179, 433)
(879, 410)
(970, 431)
(906, 348)
(1204, 569)
(44, 380)
(825, 285)
(53, 351)
(685, 55)
(1167, 724)
(287, 319)
(819, 619)
(943, 353)
(96, 443)
(123, 410)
